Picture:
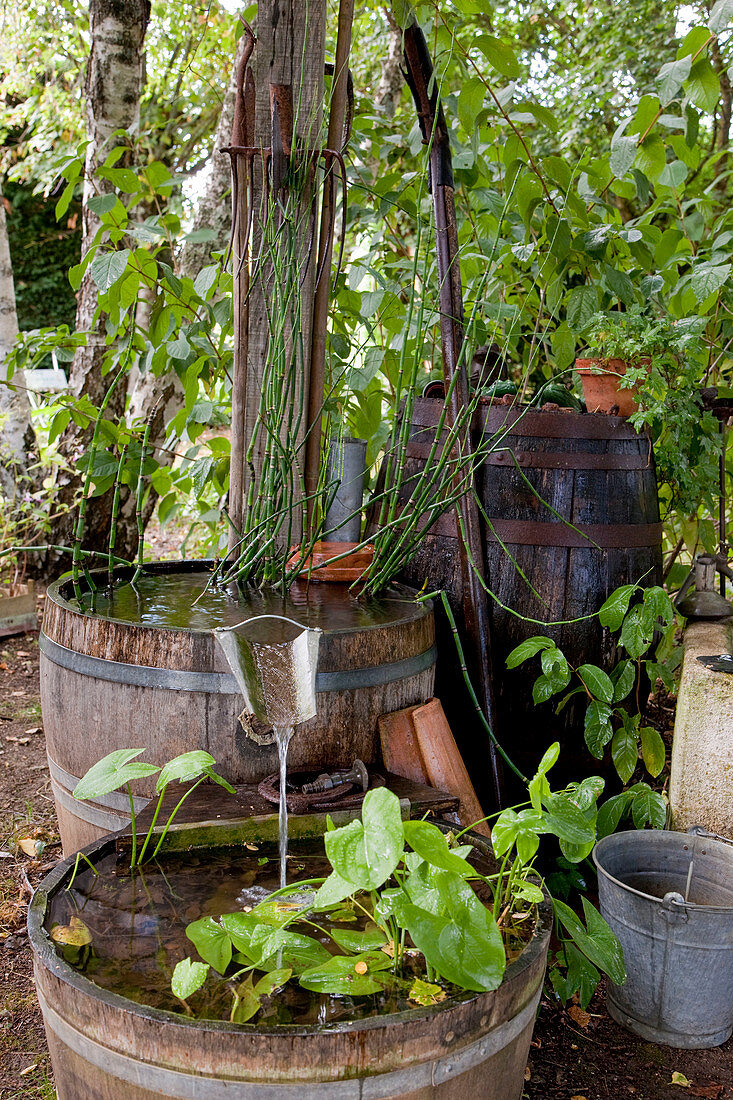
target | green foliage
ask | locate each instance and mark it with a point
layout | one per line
(607, 722)
(120, 768)
(413, 880)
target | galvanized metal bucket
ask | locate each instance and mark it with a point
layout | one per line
(669, 898)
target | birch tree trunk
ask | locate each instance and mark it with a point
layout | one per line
(16, 433)
(113, 87)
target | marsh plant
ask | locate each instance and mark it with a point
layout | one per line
(434, 922)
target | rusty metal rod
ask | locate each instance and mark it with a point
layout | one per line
(336, 121)
(423, 85)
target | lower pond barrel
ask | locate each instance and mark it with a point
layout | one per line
(109, 683)
(570, 513)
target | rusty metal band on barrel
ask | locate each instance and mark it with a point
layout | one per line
(189, 1086)
(223, 683)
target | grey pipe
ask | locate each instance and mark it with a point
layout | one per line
(347, 466)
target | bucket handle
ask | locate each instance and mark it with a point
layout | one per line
(697, 830)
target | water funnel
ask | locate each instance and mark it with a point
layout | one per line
(273, 659)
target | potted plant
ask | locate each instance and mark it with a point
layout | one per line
(622, 346)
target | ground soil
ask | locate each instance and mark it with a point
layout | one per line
(574, 1055)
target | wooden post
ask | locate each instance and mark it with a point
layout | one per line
(288, 66)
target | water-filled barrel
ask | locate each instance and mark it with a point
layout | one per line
(570, 513)
(105, 1045)
(120, 677)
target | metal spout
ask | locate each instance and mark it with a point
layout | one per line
(274, 661)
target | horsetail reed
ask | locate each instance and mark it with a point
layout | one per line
(79, 533)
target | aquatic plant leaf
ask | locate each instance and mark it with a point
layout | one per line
(288, 949)
(426, 993)
(359, 941)
(187, 766)
(276, 979)
(422, 889)
(366, 852)
(428, 841)
(523, 829)
(597, 942)
(240, 928)
(212, 942)
(246, 1002)
(474, 941)
(333, 890)
(339, 975)
(188, 976)
(111, 772)
(73, 934)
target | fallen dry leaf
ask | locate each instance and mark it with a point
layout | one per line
(4, 666)
(712, 1092)
(581, 1018)
(34, 729)
(388, 949)
(75, 933)
(29, 1069)
(528, 1074)
(679, 1079)
(426, 993)
(22, 653)
(578, 1097)
(28, 845)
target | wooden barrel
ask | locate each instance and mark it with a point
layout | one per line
(108, 684)
(548, 470)
(105, 1046)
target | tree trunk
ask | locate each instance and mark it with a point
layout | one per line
(214, 210)
(288, 70)
(391, 82)
(113, 87)
(16, 433)
(722, 134)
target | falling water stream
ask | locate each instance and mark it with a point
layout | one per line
(282, 738)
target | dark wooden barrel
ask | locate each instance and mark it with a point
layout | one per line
(106, 1047)
(108, 684)
(547, 469)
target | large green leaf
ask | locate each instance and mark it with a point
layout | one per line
(498, 54)
(563, 818)
(369, 940)
(339, 974)
(430, 843)
(652, 750)
(597, 682)
(107, 267)
(212, 942)
(670, 78)
(333, 890)
(615, 607)
(597, 941)
(582, 303)
(366, 852)
(597, 727)
(527, 649)
(523, 829)
(625, 752)
(282, 948)
(111, 772)
(703, 85)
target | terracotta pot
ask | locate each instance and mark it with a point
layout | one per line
(600, 379)
(346, 569)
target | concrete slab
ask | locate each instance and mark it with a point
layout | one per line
(701, 782)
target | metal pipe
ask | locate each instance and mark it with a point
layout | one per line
(347, 466)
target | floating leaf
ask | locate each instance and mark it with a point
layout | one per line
(73, 934)
(188, 977)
